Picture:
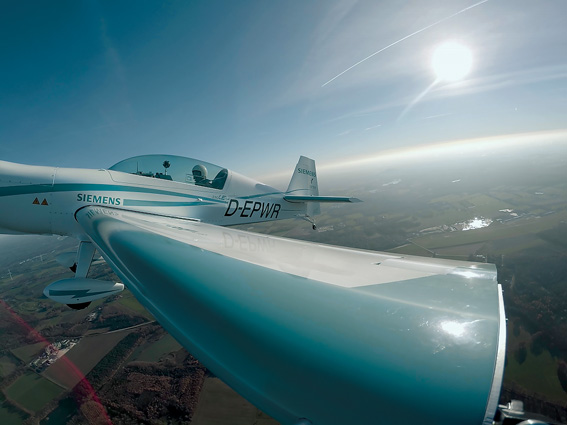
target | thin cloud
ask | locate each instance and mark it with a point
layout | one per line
(501, 81)
(404, 38)
(431, 117)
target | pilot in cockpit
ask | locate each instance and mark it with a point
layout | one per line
(200, 175)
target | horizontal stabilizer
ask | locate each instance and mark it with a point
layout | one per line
(329, 199)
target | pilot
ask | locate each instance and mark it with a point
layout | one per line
(200, 175)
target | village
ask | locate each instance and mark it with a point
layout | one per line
(51, 353)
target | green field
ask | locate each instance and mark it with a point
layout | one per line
(32, 391)
(411, 249)
(129, 301)
(167, 344)
(7, 366)
(538, 373)
(491, 233)
(459, 208)
(29, 352)
(10, 416)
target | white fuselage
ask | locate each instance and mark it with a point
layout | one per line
(43, 200)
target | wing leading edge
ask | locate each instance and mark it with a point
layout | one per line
(303, 330)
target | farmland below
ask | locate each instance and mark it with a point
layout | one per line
(511, 214)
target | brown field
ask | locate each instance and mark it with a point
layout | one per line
(220, 405)
(71, 368)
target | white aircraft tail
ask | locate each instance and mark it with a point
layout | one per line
(303, 188)
(304, 179)
(303, 184)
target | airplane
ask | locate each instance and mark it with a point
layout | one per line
(46, 199)
(311, 334)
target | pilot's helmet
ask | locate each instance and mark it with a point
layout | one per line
(199, 172)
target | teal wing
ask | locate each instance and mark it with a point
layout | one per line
(308, 331)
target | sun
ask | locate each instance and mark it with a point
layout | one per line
(451, 61)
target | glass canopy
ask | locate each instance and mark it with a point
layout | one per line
(175, 168)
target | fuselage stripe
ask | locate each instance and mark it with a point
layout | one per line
(144, 203)
(88, 187)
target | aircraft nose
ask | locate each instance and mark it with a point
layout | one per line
(6, 174)
(3, 170)
(12, 174)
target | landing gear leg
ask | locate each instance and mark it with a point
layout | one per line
(81, 267)
(85, 256)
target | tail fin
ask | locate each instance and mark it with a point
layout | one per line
(304, 179)
(304, 183)
(303, 188)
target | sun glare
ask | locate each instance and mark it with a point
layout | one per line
(451, 61)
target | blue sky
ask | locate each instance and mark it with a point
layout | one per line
(241, 83)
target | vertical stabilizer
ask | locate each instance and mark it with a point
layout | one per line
(304, 183)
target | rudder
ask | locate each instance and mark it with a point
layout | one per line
(304, 182)
(304, 178)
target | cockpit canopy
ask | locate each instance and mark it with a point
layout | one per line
(175, 168)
